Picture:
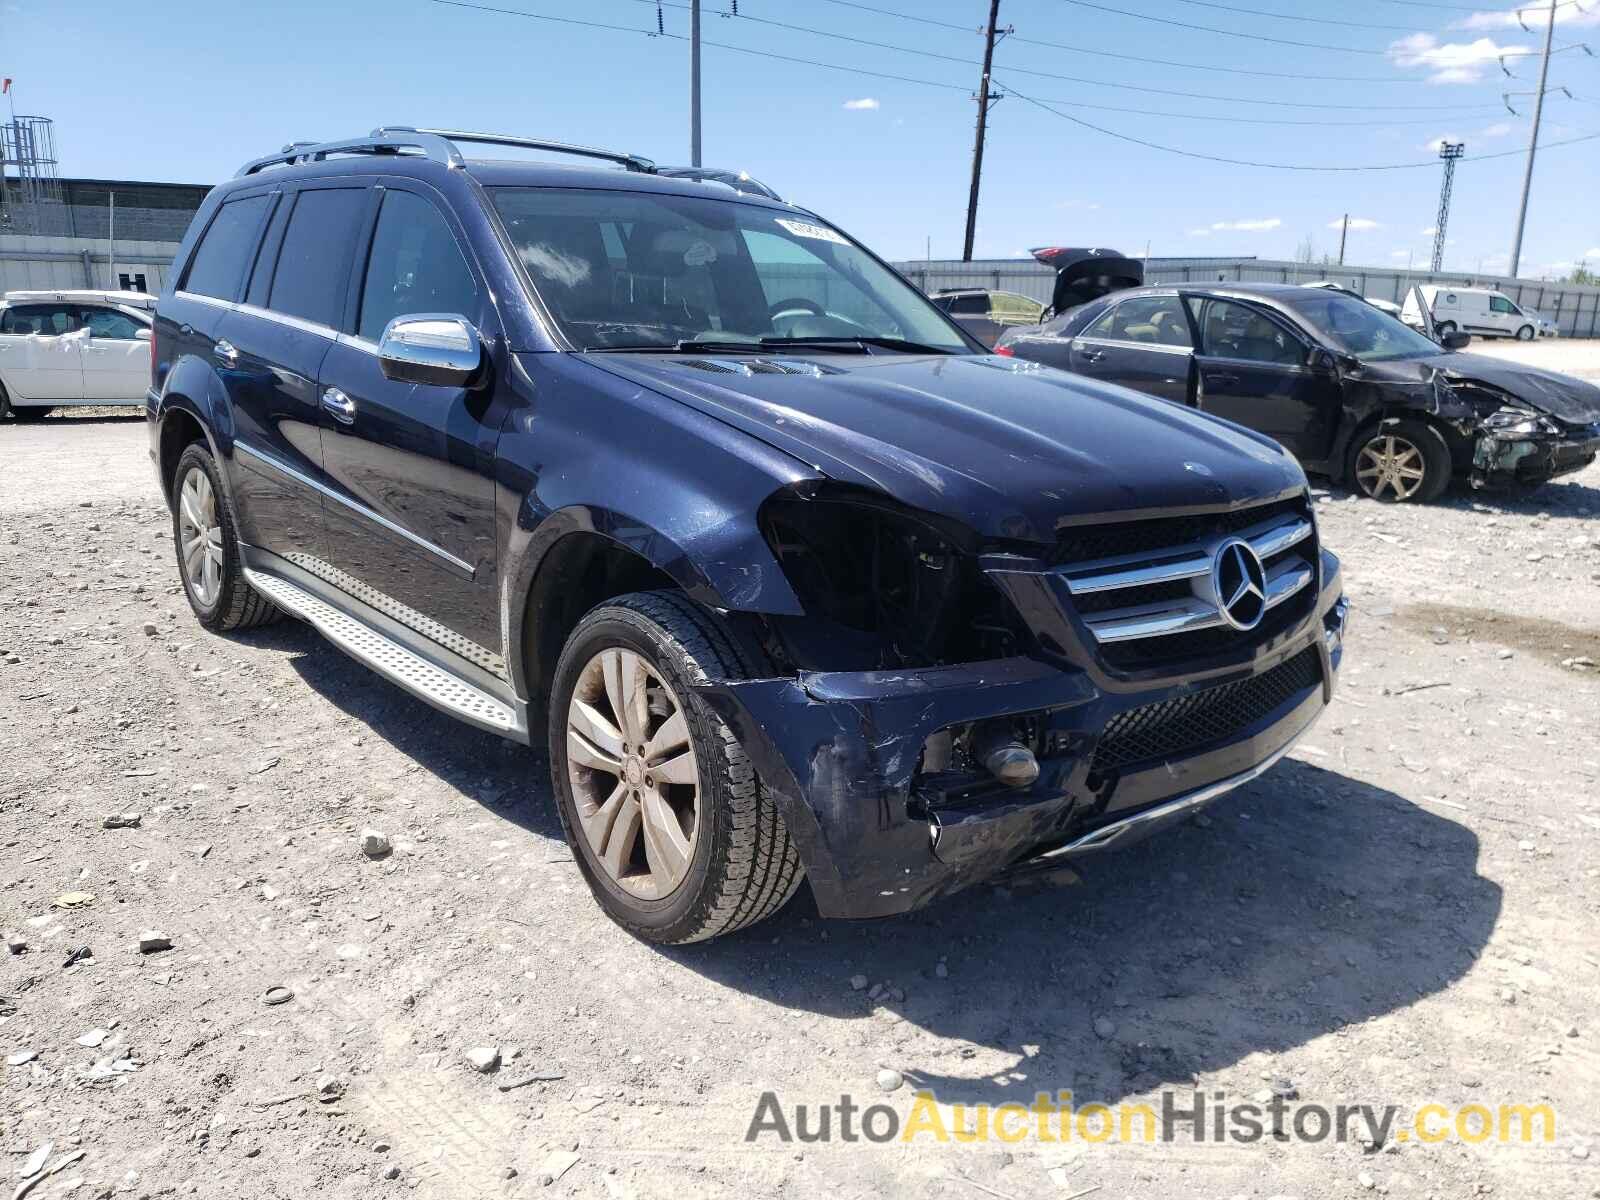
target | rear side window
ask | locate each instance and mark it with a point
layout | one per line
(314, 264)
(976, 305)
(219, 261)
(45, 319)
(415, 267)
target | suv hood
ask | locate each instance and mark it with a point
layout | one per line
(1561, 396)
(1009, 448)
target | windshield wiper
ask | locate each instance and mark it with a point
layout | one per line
(839, 345)
(863, 341)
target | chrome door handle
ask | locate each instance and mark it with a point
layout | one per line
(339, 405)
(1093, 356)
(226, 352)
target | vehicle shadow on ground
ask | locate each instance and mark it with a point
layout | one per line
(1557, 496)
(1304, 904)
(510, 780)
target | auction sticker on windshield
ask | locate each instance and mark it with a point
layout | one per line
(819, 233)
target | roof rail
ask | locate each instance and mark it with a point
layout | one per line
(435, 148)
(439, 145)
(632, 162)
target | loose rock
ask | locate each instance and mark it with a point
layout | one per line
(889, 1081)
(151, 942)
(483, 1059)
(374, 844)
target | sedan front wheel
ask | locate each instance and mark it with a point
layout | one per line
(1400, 462)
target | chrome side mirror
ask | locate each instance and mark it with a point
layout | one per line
(435, 348)
(143, 334)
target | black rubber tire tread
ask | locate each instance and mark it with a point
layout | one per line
(238, 606)
(1435, 456)
(758, 870)
(31, 412)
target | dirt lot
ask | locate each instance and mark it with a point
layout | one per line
(1404, 912)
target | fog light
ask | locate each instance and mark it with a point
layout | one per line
(1335, 623)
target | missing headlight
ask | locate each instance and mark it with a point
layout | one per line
(907, 580)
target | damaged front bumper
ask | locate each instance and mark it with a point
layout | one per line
(843, 753)
(1506, 459)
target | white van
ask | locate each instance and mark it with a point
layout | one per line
(1481, 311)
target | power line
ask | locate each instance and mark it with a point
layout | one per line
(1259, 12)
(1254, 37)
(1017, 70)
(1245, 162)
(1234, 33)
(1159, 62)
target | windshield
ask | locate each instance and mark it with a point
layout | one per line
(624, 269)
(1358, 329)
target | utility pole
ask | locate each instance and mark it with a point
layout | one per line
(1533, 138)
(1450, 152)
(694, 83)
(1344, 232)
(985, 98)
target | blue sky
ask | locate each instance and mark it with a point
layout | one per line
(186, 93)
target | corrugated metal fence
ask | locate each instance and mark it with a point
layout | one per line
(1574, 308)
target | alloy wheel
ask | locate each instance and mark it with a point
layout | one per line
(1391, 463)
(633, 773)
(200, 536)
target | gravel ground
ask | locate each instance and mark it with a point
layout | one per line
(1402, 912)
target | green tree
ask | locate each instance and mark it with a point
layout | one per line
(1582, 274)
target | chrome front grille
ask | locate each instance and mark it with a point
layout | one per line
(1130, 602)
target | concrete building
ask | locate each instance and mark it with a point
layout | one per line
(69, 242)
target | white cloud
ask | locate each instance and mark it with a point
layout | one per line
(1437, 144)
(1498, 129)
(1592, 252)
(1357, 224)
(1398, 254)
(865, 104)
(1450, 62)
(1249, 225)
(1199, 233)
(1430, 231)
(1567, 14)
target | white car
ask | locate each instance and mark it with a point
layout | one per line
(73, 347)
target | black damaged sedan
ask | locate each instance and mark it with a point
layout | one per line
(1355, 394)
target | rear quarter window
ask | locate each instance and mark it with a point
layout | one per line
(228, 244)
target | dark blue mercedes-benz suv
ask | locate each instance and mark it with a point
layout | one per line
(804, 584)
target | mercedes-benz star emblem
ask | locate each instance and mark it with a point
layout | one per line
(1240, 584)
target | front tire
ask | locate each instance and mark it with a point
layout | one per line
(673, 831)
(31, 412)
(1525, 334)
(1444, 329)
(1400, 462)
(205, 537)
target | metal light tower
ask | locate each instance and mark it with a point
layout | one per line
(1449, 152)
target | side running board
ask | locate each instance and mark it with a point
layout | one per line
(423, 679)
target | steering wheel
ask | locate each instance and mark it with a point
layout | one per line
(793, 306)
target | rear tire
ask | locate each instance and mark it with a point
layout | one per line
(1399, 462)
(205, 539)
(669, 860)
(1525, 334)
(1444, 328)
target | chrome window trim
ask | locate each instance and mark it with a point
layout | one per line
(354, 341)
(376, 518)
(1117, 343)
